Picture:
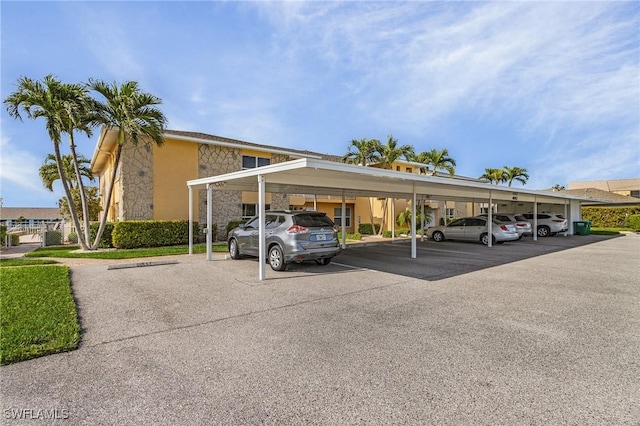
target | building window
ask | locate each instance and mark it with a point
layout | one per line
(450, 213)
(249, 162)
(409, 170)
(251, 210)
(337, 214)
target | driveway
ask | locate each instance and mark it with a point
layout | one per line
(504, 339)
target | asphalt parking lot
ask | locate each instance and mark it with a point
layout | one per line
(522, 333)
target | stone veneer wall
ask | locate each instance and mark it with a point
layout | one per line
(227, 205)
(136, 182)
(279, 201)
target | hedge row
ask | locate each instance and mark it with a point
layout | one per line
(368, 228)
(150, 233)
(634, 222)
(610, 217)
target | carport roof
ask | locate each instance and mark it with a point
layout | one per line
(321, 177)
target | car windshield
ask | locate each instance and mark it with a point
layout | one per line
(312, 220)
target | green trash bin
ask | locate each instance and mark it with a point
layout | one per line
(580, 227)
(588, 226)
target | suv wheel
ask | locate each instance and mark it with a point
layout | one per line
(324, 261)
(276, 259)
(544, 231)
(437, 236)
(234, 253)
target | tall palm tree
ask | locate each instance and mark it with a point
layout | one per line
(64, 108)
(516, 173)
(389, 154)
(438, 160)
(135, 116)
(496, 176)
(363, 152)
(49, 170)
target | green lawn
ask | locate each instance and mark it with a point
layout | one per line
(68, 252)
(608, 231)
(39, 314)
(21, 261)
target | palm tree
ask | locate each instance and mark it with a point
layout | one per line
(49, 170)
(558, 187)
(363, 152)
(404, 218)
(135, 116)
(496, 176)
(438, 160)
(516, 173)
(389, 154)
(64, 107)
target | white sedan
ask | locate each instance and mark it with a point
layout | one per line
(473, 229)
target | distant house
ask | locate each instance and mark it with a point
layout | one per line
(29, 216)
(603, 198)
(626, 187)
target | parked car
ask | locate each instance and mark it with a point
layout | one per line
(473, 229)
(523, 226)
(549, 224)
(291, 236)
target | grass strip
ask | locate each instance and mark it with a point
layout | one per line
(21, 261)
(39, 314)
(70, 252)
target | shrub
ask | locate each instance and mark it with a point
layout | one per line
(232, 224)
(368, 228)
(72, 238)
(15, 239)
(633, 222)
(151, 233)
(52, 238)
(106, 240)
(353, 237)
(609, 217)
(3, 234)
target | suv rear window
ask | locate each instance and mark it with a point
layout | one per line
(309, 220)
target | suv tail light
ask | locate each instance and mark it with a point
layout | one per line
(335, 228)
(504, 227)
(558, 220)
(296, 229)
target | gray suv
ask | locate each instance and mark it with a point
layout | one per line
(291, 236)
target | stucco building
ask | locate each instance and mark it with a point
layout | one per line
(151, 182)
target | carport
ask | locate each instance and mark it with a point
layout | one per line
(321, 177)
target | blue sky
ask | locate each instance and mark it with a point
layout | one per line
(553, 87)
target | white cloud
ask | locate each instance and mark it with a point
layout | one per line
(18, 168)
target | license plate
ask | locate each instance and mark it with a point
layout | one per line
(321, 237)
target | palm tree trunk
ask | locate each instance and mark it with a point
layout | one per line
(105, 213)
(67, 191)
(83, 198)
(384, 215)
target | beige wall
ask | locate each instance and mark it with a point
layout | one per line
(174, 164)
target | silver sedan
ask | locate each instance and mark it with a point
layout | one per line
(473, 229)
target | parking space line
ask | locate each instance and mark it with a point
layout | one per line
(357, 268)
(442, 250)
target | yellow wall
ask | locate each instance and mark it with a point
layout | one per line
(174, 164)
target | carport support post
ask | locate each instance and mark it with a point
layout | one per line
(413, 224)
(422, 219)
(209, 219)
(343, 221)
(535, 218)
(565, 215)
(190, 220)
(490, 220)
(393, 218)
(262, 252)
